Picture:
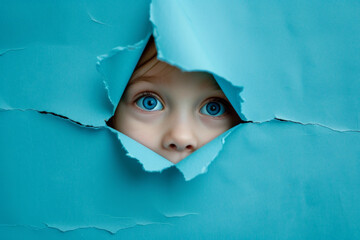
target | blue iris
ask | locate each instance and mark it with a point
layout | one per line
(213, 109)
(149, 103)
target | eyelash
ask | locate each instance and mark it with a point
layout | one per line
(147, 94)
(222, 101)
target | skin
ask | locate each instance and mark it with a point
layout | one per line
(180, 122)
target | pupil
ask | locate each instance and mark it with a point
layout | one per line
(149, 103)
(213, 108)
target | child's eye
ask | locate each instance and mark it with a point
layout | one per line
(213, 108)
(149, 103)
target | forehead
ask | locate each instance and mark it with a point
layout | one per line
(150, 69)
(158, 72)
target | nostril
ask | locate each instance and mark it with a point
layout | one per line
(173, 146)
(189, 147)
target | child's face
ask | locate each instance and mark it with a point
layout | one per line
(173, 112)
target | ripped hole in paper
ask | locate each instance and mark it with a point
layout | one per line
(172, 112)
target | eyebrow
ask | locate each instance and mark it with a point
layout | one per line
(149, 79)
(141, 79)
(213, 84)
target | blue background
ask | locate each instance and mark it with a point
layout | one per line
(290, 67)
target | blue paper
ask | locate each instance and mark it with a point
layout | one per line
(48, 54)
(279, 180)
(296, 61)
(290, 69)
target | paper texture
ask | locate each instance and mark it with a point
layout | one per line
(290, 69)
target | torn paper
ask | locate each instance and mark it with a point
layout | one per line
(267, 179)
(294, 62)
(277, 170)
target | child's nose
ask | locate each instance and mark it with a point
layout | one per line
(181, 137)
